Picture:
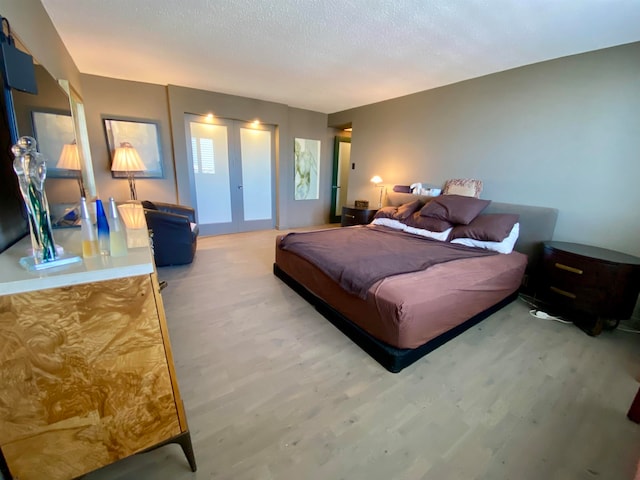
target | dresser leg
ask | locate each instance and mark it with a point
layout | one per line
(184, 440)
(4, 468)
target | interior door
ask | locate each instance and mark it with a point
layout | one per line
(340, 182)
(232, 166)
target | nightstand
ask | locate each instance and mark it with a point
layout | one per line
(357, 216)
(592, 286)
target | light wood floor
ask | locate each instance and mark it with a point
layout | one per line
(273, 391)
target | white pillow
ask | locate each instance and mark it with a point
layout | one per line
(389, 222)
(442, 236)
(505, 246)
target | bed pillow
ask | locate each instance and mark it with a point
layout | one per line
(468, 187)
(492, 227)
(505, 246)
(389, 222)
(454, 208)
(386, 212)
(427, 223)
(406, 210)
(442, 236)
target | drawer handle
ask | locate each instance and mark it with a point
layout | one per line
(563, 292)
(349, 216)
(569, 269)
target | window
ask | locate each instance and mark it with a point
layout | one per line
(203, 157)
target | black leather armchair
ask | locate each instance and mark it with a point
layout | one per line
(175, 233)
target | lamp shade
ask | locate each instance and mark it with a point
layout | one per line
(132, 215)
(69, 158)
(376, 180)
(126, 159)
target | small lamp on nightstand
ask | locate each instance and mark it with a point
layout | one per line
(377, 181)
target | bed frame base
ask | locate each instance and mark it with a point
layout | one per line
(392, 358)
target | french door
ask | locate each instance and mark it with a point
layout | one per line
(232, 165)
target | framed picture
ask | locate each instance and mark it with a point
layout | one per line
(144, 136)
(52, 130)
(307, 165)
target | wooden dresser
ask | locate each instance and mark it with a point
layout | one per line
(86, 371)
(356, 216)
(591, 285)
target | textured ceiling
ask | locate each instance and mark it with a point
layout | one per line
(329, 55)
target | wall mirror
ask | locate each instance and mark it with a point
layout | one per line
(55, 118)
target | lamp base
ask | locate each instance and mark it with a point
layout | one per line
(132, 187)
(380, 199)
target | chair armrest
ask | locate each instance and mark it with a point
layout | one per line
(188, 212)
(166, 217)
(170, 225)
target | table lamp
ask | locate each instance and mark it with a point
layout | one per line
(70, 160)
(126, 159)
(377, 181)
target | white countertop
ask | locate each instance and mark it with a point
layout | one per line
(16, 279)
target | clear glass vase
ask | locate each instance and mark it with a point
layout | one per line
(31, 169)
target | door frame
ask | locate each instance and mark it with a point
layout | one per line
(333, 216)
(237, 224)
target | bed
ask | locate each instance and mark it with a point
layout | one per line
(398, 318)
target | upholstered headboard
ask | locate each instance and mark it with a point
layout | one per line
(536, 223)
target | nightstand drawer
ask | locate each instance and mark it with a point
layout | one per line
(591, 280)
(356, 216)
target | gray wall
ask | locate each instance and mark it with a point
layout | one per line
(313, 125)
(289, 123)
(32, 25)
(126, 100)
(563, 133)
(105, 96)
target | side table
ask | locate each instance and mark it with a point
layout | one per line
(590, 285)
(357, 216)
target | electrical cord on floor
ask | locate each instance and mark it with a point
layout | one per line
(627, 330)
(528, 300)
(545, 316)
(536, 312)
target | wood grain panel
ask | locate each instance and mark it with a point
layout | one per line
(182, 417)
(84, 379)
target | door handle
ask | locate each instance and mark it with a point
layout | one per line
(239, 187)
(335, 186)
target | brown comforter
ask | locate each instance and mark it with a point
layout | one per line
(357, 257)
